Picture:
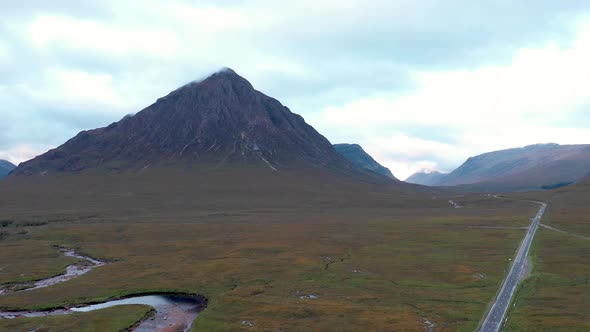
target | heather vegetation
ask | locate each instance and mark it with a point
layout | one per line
(337, 260)
(111, 319)
(220, 191)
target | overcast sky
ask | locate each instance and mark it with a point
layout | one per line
(420, 84)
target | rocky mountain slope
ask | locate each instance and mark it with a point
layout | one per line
(358, 157)
(217, 121)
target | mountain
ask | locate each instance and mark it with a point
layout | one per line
(215, 146)
(539, 166)
(426, 178)
(6, 167)
(358, 157)
(218, 121)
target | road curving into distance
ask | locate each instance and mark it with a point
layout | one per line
(494, 318)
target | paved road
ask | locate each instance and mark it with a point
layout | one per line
(495, 317)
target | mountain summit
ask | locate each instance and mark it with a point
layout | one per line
(221, 119)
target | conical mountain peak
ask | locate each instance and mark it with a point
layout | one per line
(226, 74)
(226, 71)
(219, 120)
(224, 83)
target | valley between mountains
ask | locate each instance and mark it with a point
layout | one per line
(219, 191)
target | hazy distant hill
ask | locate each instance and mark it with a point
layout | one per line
(539, 166)
(358, 157)
(426, 178)
(6, 167)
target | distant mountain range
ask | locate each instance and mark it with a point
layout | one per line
(358, 157)
(426, 178)
(539, 166)
(219, 121)
(6, 167)
(222, 121)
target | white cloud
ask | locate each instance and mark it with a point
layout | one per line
(20, 153)
(405, 155)
(79, 90)
(486, 108)
(420, 84)
(46, 32)
(4, 52)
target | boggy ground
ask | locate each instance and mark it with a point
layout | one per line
(340, 260)
(110, 319)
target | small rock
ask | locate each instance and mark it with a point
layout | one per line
(310, 296)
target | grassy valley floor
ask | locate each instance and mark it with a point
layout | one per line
(331, 269)
(556, 297)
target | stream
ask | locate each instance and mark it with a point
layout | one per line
(72, 271)
(173, 312)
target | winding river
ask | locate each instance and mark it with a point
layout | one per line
(72, 271)
(172, 311)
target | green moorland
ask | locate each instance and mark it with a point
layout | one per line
(375, 258)
(46, 262)
(110, 319)
(556, 297)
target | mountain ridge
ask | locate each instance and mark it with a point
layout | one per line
(532, 167)
(426, 178)
(360, 158)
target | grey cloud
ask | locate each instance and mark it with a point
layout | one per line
(441, 34)
(443, 164)
(345, 55)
